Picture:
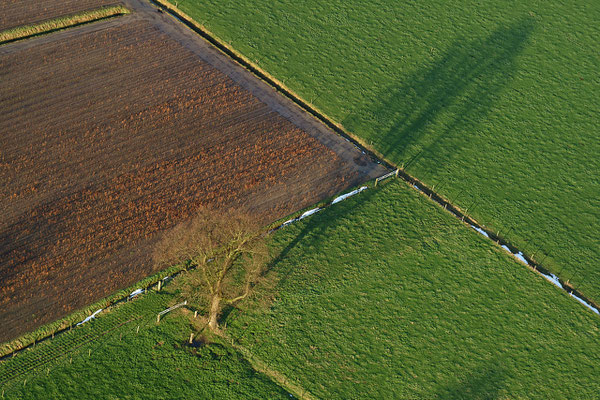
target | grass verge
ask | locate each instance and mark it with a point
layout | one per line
(55, 24)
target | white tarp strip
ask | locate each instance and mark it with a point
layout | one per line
(484, 233)
(89, 318)
(345, 196)
(309, 213)
(554, 279)
(594, 309)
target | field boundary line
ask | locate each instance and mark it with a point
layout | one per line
(59, 23)
(415, 183)
(273, 82)
(261, 366)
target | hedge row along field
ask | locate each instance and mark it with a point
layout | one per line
(494, 104)
(26, 12)
(116, 133)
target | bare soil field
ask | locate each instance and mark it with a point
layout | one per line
(112, 134)
(15, 13)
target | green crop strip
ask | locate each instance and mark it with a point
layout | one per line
(26, 31)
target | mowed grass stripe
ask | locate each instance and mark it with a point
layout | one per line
(55, 24)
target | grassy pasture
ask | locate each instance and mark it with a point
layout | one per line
(387, 296)
(494, 103)
(153, 363)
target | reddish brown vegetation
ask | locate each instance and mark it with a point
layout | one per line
(15, 13)
(110, 137)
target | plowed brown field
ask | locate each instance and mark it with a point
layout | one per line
(108, 138)
(15, 13)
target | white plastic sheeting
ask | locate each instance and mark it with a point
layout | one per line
(90, 317)
(345, 196)
(554, 279)
(135, 293)
(478, 229)
(585, 303)
(519, 256)
(309, 213)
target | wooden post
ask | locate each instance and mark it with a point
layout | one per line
(376, 180)
(195, 313)
(191, 337)
(397, 172)
(157, 318)
(138, 329)
(159, 285)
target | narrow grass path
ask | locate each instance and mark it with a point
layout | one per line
(55, 24)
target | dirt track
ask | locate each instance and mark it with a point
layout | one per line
(115, 131)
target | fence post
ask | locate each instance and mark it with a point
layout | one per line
(159, 285)
(376, 180)
(195, 313)
(397, 172)
(157, 318)
(191, 337)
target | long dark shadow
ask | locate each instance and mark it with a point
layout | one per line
(455, 93)
(485, 382)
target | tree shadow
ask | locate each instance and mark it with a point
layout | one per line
(484, 383)
(455, 94)
(313, 231)
(316, 229)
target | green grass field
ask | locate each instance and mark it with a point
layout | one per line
(494, 103)
(154, 363)
(388, 296)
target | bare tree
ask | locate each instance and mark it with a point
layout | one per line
(227, 251)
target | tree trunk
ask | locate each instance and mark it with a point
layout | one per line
(215, 303)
